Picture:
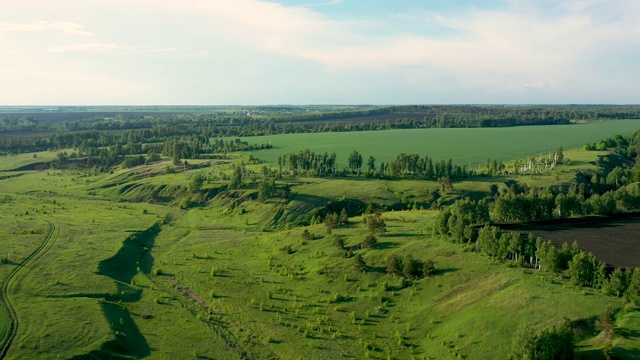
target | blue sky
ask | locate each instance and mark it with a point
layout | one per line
(215, 52)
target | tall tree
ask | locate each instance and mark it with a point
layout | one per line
(236, 177)
(355, 161)
(371, 164)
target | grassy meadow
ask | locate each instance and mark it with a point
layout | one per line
(234, 278)
(464, 146)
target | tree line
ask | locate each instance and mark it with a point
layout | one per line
(35, 135)
(466, 222)
(404, 166)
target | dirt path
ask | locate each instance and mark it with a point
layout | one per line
(14, 321)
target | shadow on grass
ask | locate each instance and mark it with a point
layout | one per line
(377, 269)
(134, 256)
(311, 199)
(392, 235)
(443, 271)
(128, 343)
(629, 334)
(387, 245)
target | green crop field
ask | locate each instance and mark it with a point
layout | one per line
(464, 146)
(227, 276)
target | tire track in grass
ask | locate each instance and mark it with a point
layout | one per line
(14, 320)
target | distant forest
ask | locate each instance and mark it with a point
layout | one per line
(36, 129)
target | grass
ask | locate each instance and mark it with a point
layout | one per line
(464, 146)
(219, 281)
(60, 301)
(12, 162)
(304, 298)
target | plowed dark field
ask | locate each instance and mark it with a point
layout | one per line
(615, 241)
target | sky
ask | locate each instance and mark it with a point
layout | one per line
(255, 52)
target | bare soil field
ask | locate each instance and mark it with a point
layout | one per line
(614, 240)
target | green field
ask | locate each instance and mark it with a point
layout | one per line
(233, 277)
(464, 146)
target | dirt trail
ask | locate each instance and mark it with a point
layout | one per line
(6, 341)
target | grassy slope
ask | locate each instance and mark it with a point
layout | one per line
(276, 297)
(17, 161)
(261, 299)
(65, 277)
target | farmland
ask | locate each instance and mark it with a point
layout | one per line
(464, 146)
(614, 240)
(171, 258)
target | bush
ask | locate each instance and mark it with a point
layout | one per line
(376, 223)
(306, 235)
(428, 268)
(359, 263)
(370, 241)
(394, 265)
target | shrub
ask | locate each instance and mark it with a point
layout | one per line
(306, 235)
(370, 241)
(428, 268)
(359, 263)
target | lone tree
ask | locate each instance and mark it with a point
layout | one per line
(376, 223)
(394, 265)
(196, 182)
(344, 218)
(370, 241)
(236, 178)
(371, 164)
(329, 223)
(559, 155)
(412, 269)
(428, 268)
(607, 327)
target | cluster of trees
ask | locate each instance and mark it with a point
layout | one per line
(193, 146)
(548, 203)
(406, 166)
(409, 267)
(131, 161)
(459, 220)
(333, 220)
(309, 163)
(532, 165)
(616, 142)
(375, 223)
(555, 343)
(582, 269)
(414, 166)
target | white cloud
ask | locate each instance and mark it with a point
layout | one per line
(329, 3)
(85, 47)
(535, 46)
(67, 86)
(493, 41)
(94, 47)
(63, 26)
(489, 48)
